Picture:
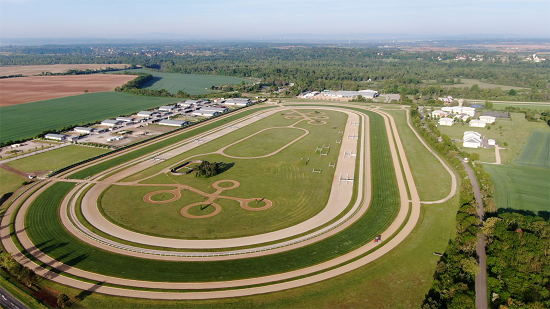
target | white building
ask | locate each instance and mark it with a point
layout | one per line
(477, 123)
(126, 119)
(173, 123)
(471, 139)
(216, 109)
(439, 114)
(110, 122)
(166, 108)
(446, 122)
(491, 142)
(84, 130)
(205, 113)
(57, 137)
(488, 119)
(147, 114)
(237, 102)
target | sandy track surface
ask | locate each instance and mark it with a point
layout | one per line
(397, 152)
(37, 88)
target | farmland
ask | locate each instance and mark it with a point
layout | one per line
(38, 88)
(54, 68)
(537, 151)
(520, 187)
(27, 120)
(190, 83)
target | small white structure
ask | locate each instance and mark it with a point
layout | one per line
(438, 114)
(465, 117)
(205, 113)
(471, 139)
(491, 142)
(84, 130)
(166, 108)
(173, 123)
(446, 122)
(477, 123)
(57, 137)
(110, 122)
(488, 119)
(126, 119)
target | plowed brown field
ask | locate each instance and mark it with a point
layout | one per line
(54, 68)
(36, 88)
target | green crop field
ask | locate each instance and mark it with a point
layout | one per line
(190, 83)
(27, 120)
(536, 152)
(468, 83)
(520, 187)
(54, 159)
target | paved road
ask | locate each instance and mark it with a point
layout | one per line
(481, 278)
(9, 301)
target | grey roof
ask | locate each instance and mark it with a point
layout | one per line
(173, 122)
(146, 113)
(125, 118)
(170, 107)
(216, 109)
(53, 135)
(84, 129)
(111, 121)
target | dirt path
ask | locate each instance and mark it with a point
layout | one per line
(397, 152)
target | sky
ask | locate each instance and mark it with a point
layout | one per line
(260, 19)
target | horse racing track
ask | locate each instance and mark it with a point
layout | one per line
(300, 195)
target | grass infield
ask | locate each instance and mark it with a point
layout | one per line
(45, 230)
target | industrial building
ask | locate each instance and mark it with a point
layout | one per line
(126, 119)
(206, 113)
(84, 130)
(216, 109)
(166, 108)
(57, 137)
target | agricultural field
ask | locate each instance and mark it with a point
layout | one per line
(55, 68)
(520, 187)
(27, 120)
(38, 88)
(536, 152)
(537, 106)
(468, 83)
(190, 83)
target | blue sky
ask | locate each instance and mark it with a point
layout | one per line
(262, 19)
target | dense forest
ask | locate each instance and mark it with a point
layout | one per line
(422, 74)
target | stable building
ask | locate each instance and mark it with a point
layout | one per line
(86, 130)
(471, 139)
(206, 113)
(237, 103)
(477, 123)
(488, 119)
(217, 109)
(126, 119)
(111, 122)
(166, 108)
(56, 137)
(173, 123)
(446, 122)
(147, 114)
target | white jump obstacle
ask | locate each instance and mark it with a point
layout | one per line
(354, 136)
(339, 142)
(199, 140)
(341, 132)
(331, 164)
(346, 180)
(351, 123)
(258, 116)
(314, 171)
(351, 154)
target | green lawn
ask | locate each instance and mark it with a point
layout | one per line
(27, 120)
(537, 151)
(515, 131)
(9, 182)
(54, 159)
(520, 187)
(190, 83)
(283, 178)
(467, 82)
(426, 169)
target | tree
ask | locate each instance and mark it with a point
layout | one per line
(474, 156)
(63, 300)
(475, 87)
(85, 91)
(489, 105)
(512, 92)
